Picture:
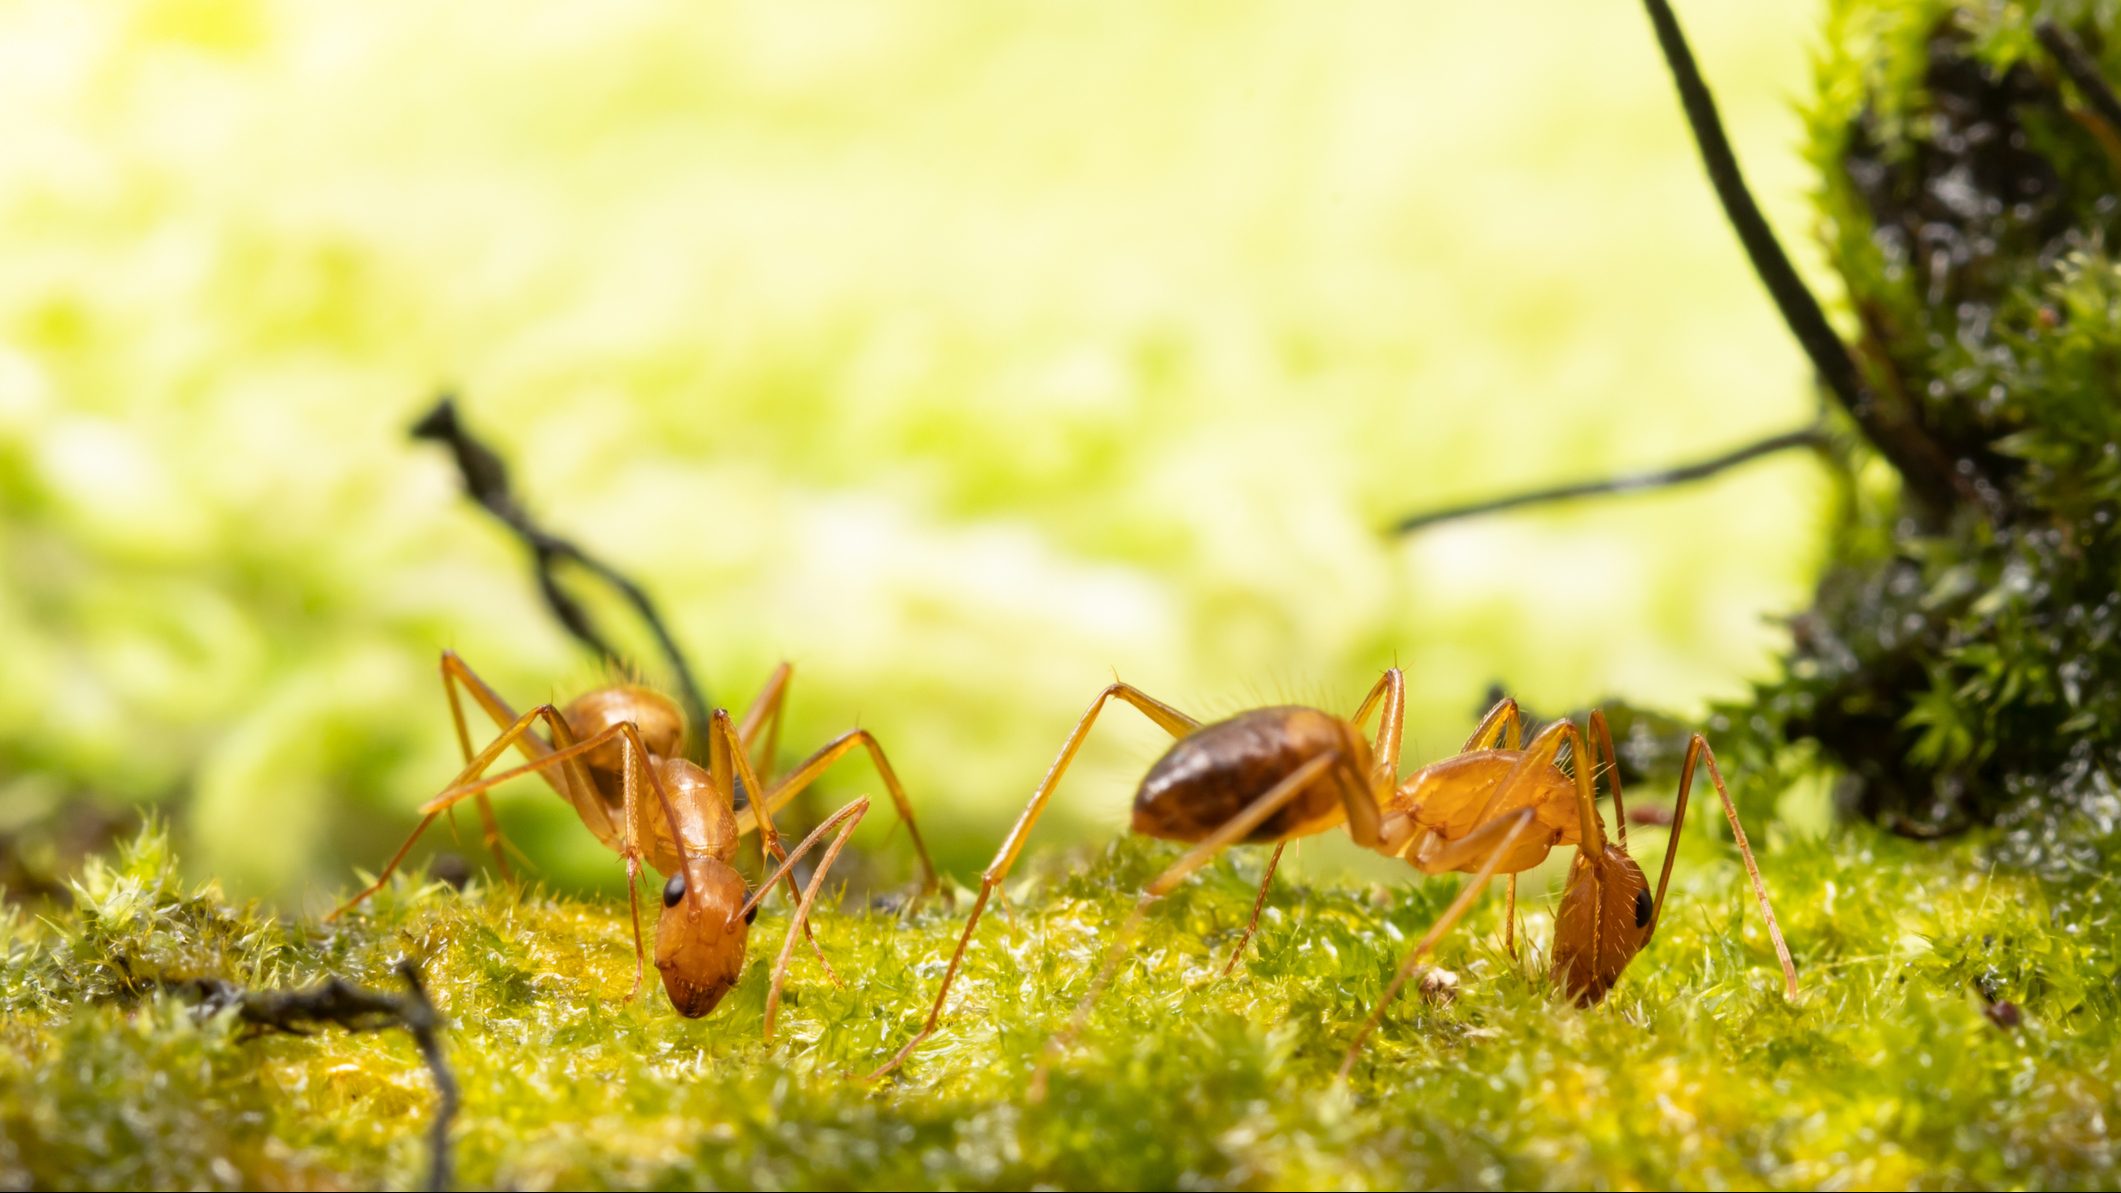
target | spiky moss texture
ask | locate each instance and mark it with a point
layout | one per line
(1888, 1072)
(1962, 660)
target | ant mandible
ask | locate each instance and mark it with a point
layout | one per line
(615, 755)
(1276, 774)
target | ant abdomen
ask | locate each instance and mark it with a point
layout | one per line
(1217, 771)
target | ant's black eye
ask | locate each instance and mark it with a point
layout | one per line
(751, 913)
(1643, 907)
(674, 890)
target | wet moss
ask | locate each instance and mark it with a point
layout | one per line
(1889, 1071)
(1961, 662)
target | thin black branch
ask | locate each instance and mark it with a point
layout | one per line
(486, 482)
(2083, 70)
(1812, 436)
(338, 1002)
(1920, 461)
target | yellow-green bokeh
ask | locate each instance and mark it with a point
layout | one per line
(962, 354)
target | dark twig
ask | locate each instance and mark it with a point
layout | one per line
(339, 1002)
(2082, 70)
(1921, 462)
(486, 482)
(1813, 437)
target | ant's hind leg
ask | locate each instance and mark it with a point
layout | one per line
(1258, 906)
(1169, 719)
(1232, 831)
(764, 716)
(459, 679)
(477, 766)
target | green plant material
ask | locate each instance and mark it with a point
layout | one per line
(1890, 1071)
(1963, 657)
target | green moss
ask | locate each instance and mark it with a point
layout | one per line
(1962, 660)
(1697, 1071)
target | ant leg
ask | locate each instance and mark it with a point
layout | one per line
(765, 714)
(634, 766)
(1508, 829)
(515, 732)
(807, 773)
(624, 837)
(726, 751)
(633, 909)
(1598, 744)
(1509, 920)
(1229, 833)
(1433, 854)
(1258, 906)
(1391, 692)
(1502, 727)
(1172, 721)
(1698, 751)
(1541, 753)
(457, 678)
(852, 814)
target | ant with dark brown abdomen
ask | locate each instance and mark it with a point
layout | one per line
(615, 754)
(1497, 806)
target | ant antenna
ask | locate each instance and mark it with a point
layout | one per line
(1812, 435)
(486, 482)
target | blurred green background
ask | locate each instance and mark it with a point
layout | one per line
(961, 354)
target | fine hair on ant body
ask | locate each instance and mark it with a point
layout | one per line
(616, 755)
(1276, 774)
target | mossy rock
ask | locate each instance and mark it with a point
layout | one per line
(1962, 662)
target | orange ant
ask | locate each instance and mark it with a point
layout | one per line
(615, 755)
(1275, 774)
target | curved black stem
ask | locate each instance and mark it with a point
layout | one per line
(486, 482)
(1922, 463)
(355, 1008)
(1811, 436)
(2083, 70)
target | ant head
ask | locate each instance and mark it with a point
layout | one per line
(699, 939)
(1603, 921)
(657, 716)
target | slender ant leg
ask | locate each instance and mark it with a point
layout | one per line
(1167, 718)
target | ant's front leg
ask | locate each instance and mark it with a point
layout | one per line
(851, 815)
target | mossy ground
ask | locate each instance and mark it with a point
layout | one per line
(1697, 1073)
